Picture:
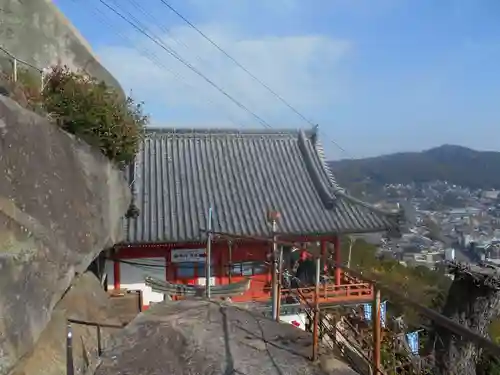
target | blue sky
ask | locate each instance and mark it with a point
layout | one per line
(378, 76)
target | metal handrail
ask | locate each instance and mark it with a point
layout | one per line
(70, 367)
(16, 60)
(19, 60)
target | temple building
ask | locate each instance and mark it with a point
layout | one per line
(180, 176)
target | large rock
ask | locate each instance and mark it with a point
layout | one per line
(206, 338)
(61, 203)
(84, 301)
(36, 31)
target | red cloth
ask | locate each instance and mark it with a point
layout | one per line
(304, 255)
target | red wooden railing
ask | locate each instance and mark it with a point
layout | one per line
(351, 290)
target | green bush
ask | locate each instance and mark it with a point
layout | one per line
(83, 106)
(426, 286)
(95, 112)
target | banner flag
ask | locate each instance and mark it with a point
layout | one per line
(413, 343)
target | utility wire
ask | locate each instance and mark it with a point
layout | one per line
(254, 77)
(172, 53)
(142, 29)
(165, 29)
(153, 58)
(139, 8)
(154, 20)
(169, 50)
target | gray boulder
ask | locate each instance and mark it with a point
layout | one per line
(38, 33)
(61, 203)
(208, 338)
(86, 301)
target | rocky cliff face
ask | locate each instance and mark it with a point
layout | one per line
(61, 203)
(84, 301)
(38, 33)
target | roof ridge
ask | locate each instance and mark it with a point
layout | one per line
(340, 192)
(320, 150)
(157, 131)
(311, 159)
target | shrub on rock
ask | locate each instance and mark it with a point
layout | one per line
(85, 107)
(95, 112)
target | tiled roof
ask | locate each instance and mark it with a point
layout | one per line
(179, 174)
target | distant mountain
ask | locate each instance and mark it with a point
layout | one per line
(455, 164)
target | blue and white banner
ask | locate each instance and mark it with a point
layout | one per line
(413, 343)
(367, 307)
(383, 312)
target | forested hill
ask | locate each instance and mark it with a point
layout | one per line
(455, 164)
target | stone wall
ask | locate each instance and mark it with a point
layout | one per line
(61, 204)
(38, 33)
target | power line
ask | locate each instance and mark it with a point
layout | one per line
(166, 30)
(171, 35)
(138, 25)
(212, 42)
(253, 76)
(163, 28)
(153, 58)
(172, 53)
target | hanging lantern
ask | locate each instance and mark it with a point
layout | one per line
(273, 216)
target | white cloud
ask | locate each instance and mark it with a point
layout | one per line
(303, 69)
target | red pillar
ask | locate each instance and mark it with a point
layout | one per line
(116, 274)
(167, 266)
(338, 259)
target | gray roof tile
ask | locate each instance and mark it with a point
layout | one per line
(179, 174)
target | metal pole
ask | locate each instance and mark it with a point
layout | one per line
(99, 341)
(70, 369)
(274, 278)
(208, 259)
(316, 313)
(280, 280)
(14, 69)
(42, 78)
(376, 315)
(230, 274)
(351, 243)
(338, 260)
(324, 260)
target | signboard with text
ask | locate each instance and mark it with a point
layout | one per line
(203, 281)
(185, 255)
